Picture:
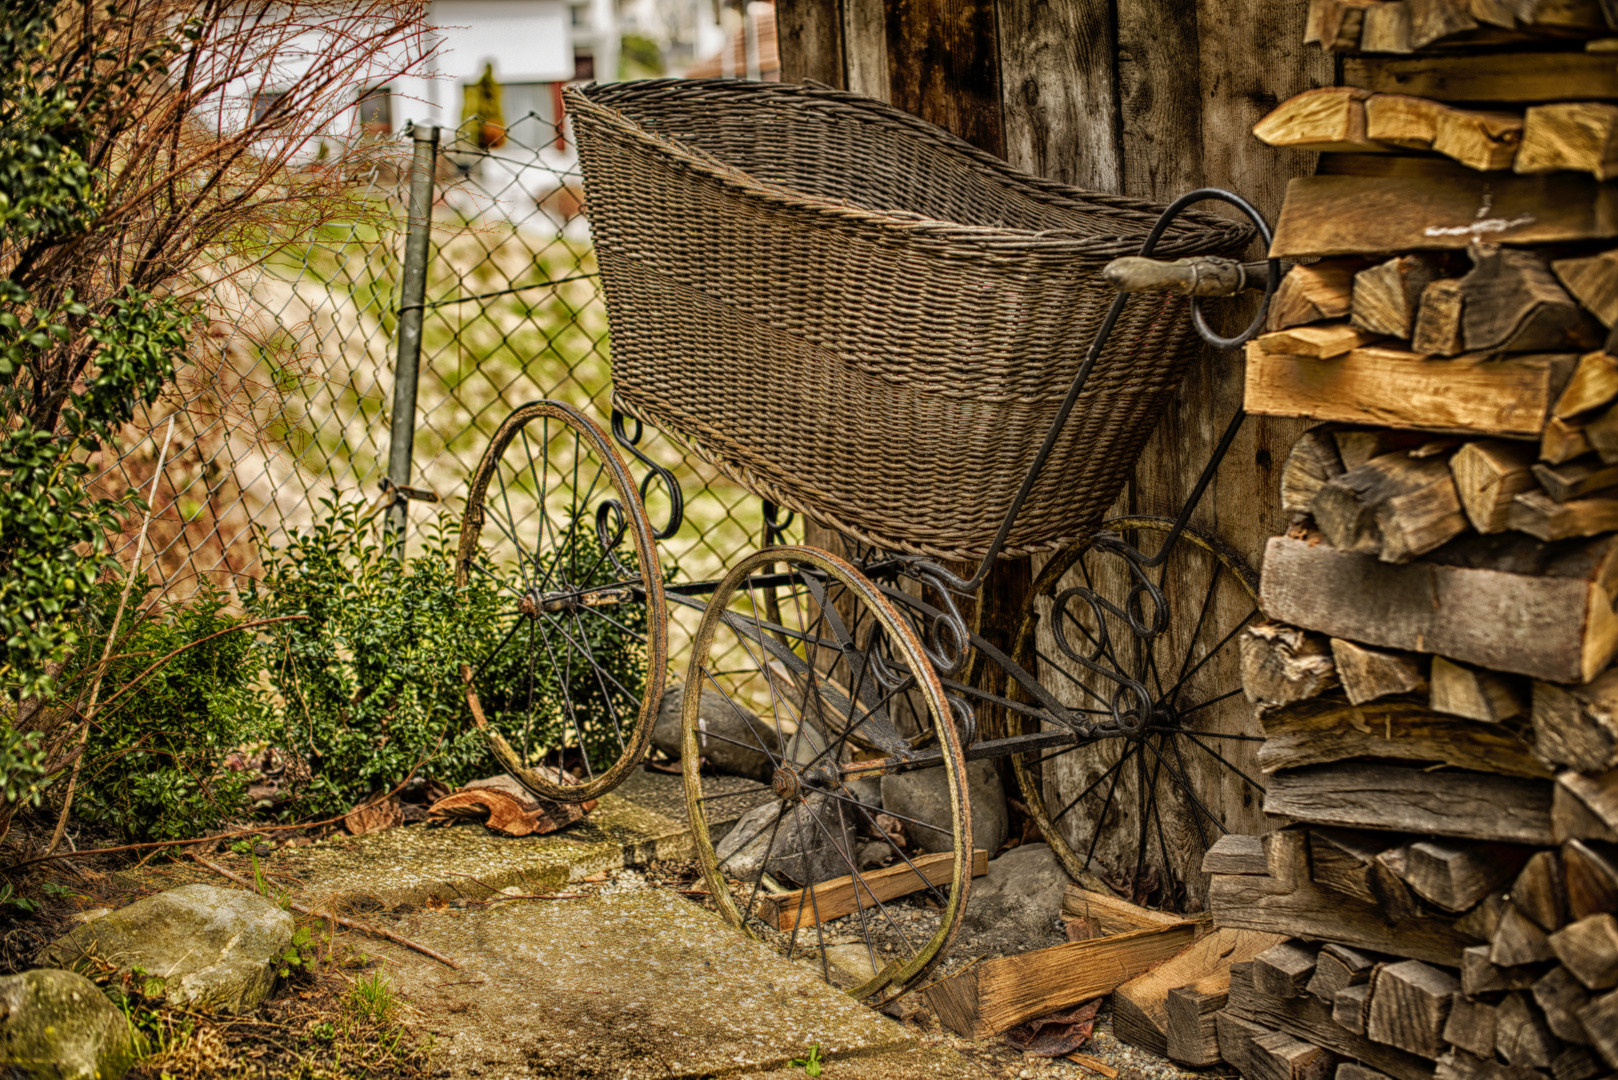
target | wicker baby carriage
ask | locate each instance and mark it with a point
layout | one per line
(863, 318)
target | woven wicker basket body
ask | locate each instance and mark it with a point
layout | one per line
(865, 319)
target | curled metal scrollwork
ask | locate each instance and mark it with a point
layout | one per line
(655, 472)
(775, 527)
(949, 639)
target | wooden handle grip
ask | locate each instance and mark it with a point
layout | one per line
(1203, 275)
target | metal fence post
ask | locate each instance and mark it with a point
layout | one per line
(412, 299)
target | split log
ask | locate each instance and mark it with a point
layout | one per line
(1322, 341)
(1236, 1039)
(1367, 674)
(1193, 1037)
(1540, 891)
(1352, 863)
(1358, 445)
(1351, 1007)
(1577, 1063)
(1307, 294)
(1112, 915)
(1471, 1026)
(1600, 1019)
(1585, 807)
(1286, 854)
(1488, 475)
(1480, 140)
(1308, 1019)
(1518, 941)
(1471, 806)
(1563, 440)
(1002, 993)
(1589, 949)
(1245, 902)
(1279, 1056)
(1282, 664)
(1395, 506)
(1410, 1001)
(842, 896)
(1434, 20)
(1592, 878)
(1521, 1035)
(1456, 877)
(1438, 320)
(1601, 430)
(1327, 729)
(1471, 394)
(1594, 383)
(1331, 118)
(1402, 120)
(1438, 209)
(1311, 462)
(1593, 281)
(1504, 602)
(1335, 24)
(1560, 996)
(1460, 1065)
(1542, 517)
(1575, 479)
(1480, 975)
(1577, 726)
(1283, 970)
(1387, 295)
(1386, 29)
(1499, 77)
(1476, 693)
(1483, 920)
(1511, 301)
(1577, 135)
(1337, 967)
(1235, 853)
(1140, 1006)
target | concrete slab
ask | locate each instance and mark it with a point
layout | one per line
(632, 983)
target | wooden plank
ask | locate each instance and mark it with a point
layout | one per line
(1447, 208)
(1309, 1019)
(1471, 394)
(809, 37)
(865, 48)
(842, 896)
(1505, 602)
(1112, 915)
(944, 66)
(1248, 902)
(1060, 103)
(1140, 1006)
(1502, 77)
(1467, 805)
(1001, 993)
(1329, 729)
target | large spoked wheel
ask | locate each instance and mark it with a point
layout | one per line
(871, 898)
(1146, 799)
(567, 674)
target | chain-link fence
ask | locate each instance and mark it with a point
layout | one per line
(290, 402)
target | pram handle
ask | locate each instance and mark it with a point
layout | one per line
(1200, 275)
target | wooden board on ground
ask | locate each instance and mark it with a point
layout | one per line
(1327, 729)
(1251, 902)
(840, 896)
(1140, 1006)
(1001, 993)
(1466, 805)
(1471, 394)
(1505, 602)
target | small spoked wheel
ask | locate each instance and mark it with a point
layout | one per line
(1174, 766)
(800, 665)
(565, 676)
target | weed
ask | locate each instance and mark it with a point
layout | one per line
(372, 999)
(810, 1064)
(9, 898)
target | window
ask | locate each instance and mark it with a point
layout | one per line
(531, 113)
(376, 111)
(584, 66)
(264, 103)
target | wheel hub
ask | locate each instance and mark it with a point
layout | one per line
(788, 783)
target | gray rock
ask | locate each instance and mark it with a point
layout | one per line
(802, 851)
(1016, 904)
(730, 723)
(924, 796)
(212, 948)
(875, 853)
(57, 1025)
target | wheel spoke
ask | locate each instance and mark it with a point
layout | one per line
(1212, 653)
(1185, 786)
(1112, 789)
(1217, 756)
(1110, 770)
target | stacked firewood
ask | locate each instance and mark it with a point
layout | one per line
(1435, 683)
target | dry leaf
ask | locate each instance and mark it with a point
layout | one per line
(374, 816)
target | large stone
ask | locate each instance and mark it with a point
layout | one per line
(802, 851)
(923, 796)
(729, 724)
(1015, 906)
(56, 1025)
(212, 948)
